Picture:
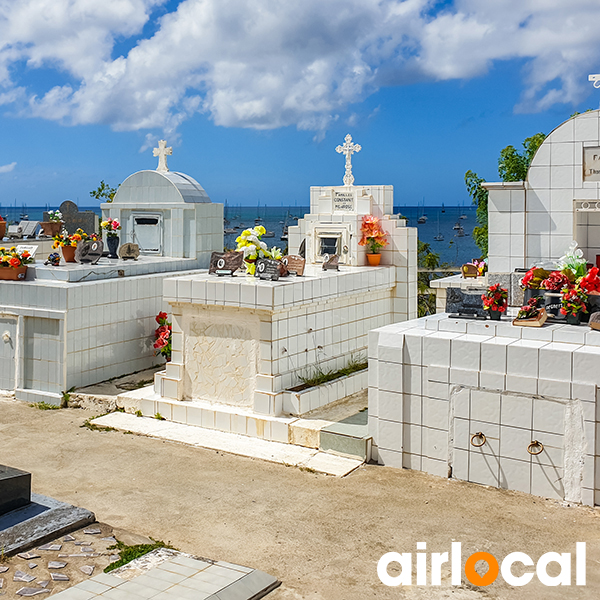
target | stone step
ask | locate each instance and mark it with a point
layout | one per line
(348, 437)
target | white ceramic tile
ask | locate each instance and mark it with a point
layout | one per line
(515, 475)
(516, 411)
(390, 435)
(485, 406)
(483, 469)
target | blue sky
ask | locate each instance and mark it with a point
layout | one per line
(255, 96)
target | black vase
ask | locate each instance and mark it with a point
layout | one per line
(553, 303)
(528, 293)
(112, 241)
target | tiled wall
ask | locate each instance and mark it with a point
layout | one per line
(534, 220)
(435, 382)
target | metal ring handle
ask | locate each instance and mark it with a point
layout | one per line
(480, 436)
(535, 444)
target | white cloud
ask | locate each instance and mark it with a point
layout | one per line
(274, 63)
(8, 168)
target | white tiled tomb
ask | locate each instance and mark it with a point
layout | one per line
(435, 382)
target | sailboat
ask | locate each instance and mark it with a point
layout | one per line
(443, 208)
(423, 218)
(440, 236)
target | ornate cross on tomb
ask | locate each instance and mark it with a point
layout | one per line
(348, 148)
(162, 152)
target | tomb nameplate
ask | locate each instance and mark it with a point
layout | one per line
(591, 164)
(129, 251)
(268, 269)
(32, 249)
(89, 251)
(331, 263)
(225, 263)
(29, 228)
(15, 489)
(74, 219)
(466, 303)
(295, 264)
(343, 202)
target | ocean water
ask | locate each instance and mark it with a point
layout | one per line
(453, 249)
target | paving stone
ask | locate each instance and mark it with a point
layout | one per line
(28, 555)
(3, 569)
(68, 538)
(59, 577)
(56, 564)
(44, 583)
(83, 543)
(27, 591)
(32, 565)
(87, 569)
(92, 531)
(1, 582)
(109, 539)
(87, 549)
(20, 576)
(52, 547)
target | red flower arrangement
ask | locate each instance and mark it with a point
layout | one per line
(573, 301)
(591, 282)
(372, 234)
(162, 335)
(555, 282)
(496, 298)
(531, 309)
(532, 280)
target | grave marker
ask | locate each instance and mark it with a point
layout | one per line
(295, 264)
(74, 219)
(89, 251)
(331, 263)
(268, 269)
(129, 251)
(225, 263)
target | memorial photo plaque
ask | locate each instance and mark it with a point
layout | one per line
(89, 251)
(129, 251)
(295, 264)
(331, 263)
(225, 263)
(268, 269)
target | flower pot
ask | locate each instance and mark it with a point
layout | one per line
(51, 228)
(553, 303)
(574, 319)
(494, 314)
(12, 274)
(373, 259)
(68, 253)
(112, 241)
(249, 262)
(2, 229)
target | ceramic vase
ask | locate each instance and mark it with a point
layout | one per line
(373, 259)
(112, 241)
(12, 274)
(68, 253)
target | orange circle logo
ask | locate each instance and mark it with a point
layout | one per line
(474, 577)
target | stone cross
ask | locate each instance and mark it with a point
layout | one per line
(162, 152)
(348, 149)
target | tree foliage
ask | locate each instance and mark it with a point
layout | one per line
(104, 192)
(429, 260)
(512, 166)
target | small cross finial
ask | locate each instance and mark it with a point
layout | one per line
(348, 148)
(162, 152)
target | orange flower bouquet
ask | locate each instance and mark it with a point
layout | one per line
(14, 258)
(373, 235)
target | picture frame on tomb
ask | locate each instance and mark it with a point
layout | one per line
(295, 264)
(268, 269)
(129, 251)
(331, 263)
(89, 251)
(225, 263)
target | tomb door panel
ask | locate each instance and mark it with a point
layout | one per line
(8, 331)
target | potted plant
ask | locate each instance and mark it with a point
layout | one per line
(574, 261)
(53, 225)
(532, 314)
(590, 284)
(552, 286)
(2, 228)
(532, 281)
(573, 304)
(163, 335)
(13, 263)
(374, 237)
(249, 242)
(111, 226)
(67, 243)
(495, 301)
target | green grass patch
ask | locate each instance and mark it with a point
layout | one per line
(319, 376)
(93, 427)
(45, 406)
(129, 553)
(159, 417)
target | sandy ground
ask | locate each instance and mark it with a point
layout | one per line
(322, 536)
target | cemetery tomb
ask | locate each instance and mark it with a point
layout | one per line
(242, 344)
(81, 323)
(487, 401)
